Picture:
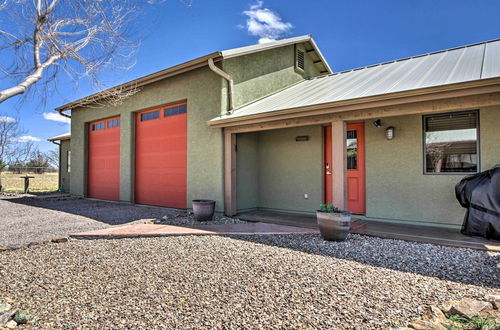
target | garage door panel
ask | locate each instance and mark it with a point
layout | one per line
(103, 167)
(161, 157)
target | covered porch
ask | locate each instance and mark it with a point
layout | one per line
(414, 233)
(276, 162)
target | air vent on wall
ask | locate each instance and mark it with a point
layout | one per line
(300, 59)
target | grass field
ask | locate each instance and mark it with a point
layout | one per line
(12, 182)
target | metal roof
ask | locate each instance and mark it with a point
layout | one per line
(451, 66)
(202, 61)
(61, 137)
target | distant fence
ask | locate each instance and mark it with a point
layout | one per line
(29, 169)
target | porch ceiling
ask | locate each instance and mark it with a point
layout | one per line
(453, 69)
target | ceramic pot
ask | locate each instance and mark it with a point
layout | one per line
(333, 226)
(203, 209)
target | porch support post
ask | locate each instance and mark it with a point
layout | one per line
(339, 166)
(229, 173)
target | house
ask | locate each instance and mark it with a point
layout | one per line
(272, 127)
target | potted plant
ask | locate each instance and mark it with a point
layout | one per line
(203, 209)
(333, 223)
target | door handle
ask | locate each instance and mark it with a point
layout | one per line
(328, 172)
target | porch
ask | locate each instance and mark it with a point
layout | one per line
(383, 229)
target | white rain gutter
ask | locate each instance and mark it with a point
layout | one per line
(230, 83)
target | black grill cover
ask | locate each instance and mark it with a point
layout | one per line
(480, 195)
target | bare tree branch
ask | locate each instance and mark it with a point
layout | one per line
(81, 37)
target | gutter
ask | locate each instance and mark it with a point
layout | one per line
(230, 84)
(61, 112)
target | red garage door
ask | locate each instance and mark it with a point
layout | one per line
(104, 159)
(161, 156)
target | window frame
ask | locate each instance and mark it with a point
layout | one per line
(478, 144)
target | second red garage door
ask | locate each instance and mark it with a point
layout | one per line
(161, 156)
(104, 159)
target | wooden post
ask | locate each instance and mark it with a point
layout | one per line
(339, 166)
(229, 173)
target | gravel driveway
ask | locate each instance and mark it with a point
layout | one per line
(25, 219)
(275, 281)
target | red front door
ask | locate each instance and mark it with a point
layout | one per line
(103, 166)
(161, 156)
(355, 167)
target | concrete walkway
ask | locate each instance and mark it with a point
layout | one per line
(152, 230)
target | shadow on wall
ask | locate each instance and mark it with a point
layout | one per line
(466, 266)
(102, 211)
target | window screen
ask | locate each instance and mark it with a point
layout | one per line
(113, 123)
(98, 126)
(451, 142)
(150, 115)
(352, 150)
(175, 110)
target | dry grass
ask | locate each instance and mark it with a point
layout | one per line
(12, 182)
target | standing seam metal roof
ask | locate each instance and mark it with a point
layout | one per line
(451, 66)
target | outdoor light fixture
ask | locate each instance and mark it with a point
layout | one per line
(302, 138)
(377, 123)
(389, 132)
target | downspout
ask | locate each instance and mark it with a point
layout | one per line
(229, 80)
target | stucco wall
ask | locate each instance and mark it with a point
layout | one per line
(260, 74)
(201, 88)
(247, 174)
(64, 179)
(396, 187)
(282, 169)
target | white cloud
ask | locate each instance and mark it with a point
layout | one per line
(28, 138)
(7, 119)
(56, 117)
(265, 23)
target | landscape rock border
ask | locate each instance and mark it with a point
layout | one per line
(11, 317)
(437, 316)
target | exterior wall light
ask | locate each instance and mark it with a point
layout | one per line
(389, 132)
(377, 123)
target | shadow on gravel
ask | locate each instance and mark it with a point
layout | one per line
(466, 266)
(106, 212)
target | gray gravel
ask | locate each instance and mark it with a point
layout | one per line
(268, 281)
(187, 219)
(25, 219)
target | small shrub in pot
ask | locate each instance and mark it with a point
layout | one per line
(333, 223)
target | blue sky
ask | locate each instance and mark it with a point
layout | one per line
(350, 34)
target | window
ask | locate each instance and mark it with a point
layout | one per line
(451, 142)
(113, 123)
(98, 126)
(68, 161)
(352, 150)
(175, 110)
(300, 59)
(150, 115)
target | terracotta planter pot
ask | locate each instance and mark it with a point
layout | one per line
(333, 226)
(203, 209)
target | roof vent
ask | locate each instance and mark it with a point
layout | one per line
(300, 59)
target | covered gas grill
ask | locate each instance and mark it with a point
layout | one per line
(480, 195)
